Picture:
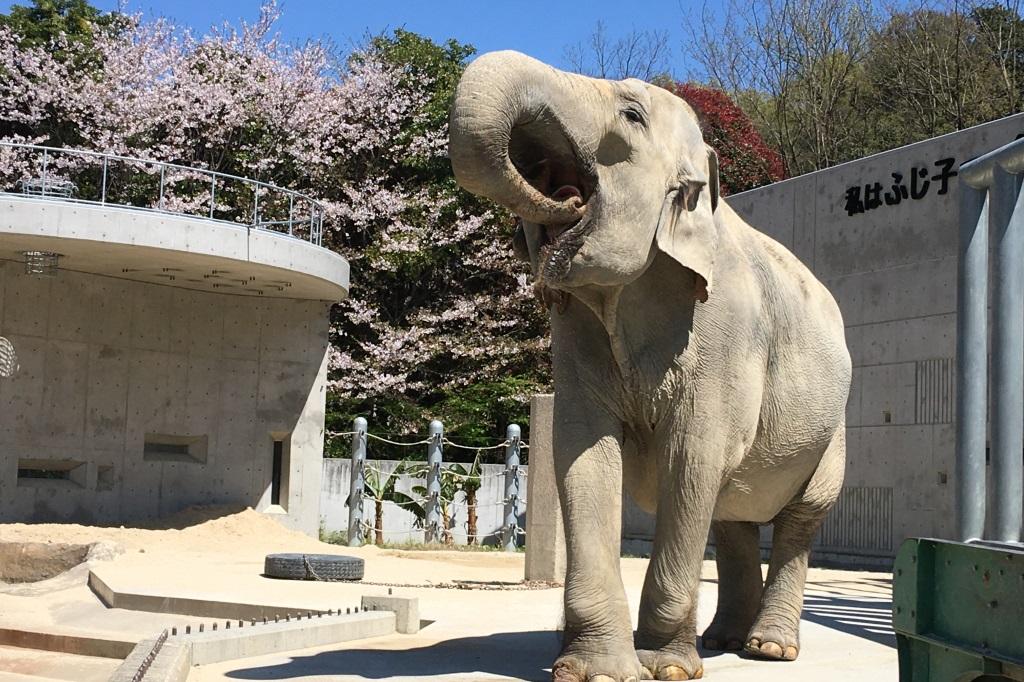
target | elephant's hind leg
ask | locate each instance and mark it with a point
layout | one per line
(739, 585)
(776, 631)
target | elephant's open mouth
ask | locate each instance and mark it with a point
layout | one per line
(548, 159)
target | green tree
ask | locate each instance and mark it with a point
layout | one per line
(929, 74)
(49, 23)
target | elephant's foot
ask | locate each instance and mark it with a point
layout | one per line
(724, 635)
(773, 642)
(677, 663)
(582, 667)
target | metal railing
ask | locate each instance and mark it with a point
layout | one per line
(84, 176)
(991, 203)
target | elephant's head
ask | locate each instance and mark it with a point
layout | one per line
(599, 171)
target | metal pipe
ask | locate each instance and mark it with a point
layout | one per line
(980, 173)
(1006, 216)
(103, 183)
(355, 491)
(160, 202)
(256, 206)
(512, 435)
(213, 194)
(971, 363)
(433, 502)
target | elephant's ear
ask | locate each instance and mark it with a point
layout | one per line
(687, 231)
(713, 177)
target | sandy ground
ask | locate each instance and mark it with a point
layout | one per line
(468, 634)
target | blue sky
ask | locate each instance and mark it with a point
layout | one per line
(537, 27)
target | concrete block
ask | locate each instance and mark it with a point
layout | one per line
(545, 533)
(406, 610)
(302, 633)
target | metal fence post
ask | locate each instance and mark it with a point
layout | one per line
(291, 209)
(163, 173)
(1006, 216)
(972, 362)
(103, 183)
(213, 195)
(256, 207)
(434, 459)
(355, 495)
(512, 435)
(46, 163)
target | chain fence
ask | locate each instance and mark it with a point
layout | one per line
(446, 490)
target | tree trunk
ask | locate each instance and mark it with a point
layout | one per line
(378, 524)
(446, 532)
(471, 517)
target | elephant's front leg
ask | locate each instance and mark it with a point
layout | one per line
(666, 635)
(598, 639)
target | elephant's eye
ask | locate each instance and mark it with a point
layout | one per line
(633, 116)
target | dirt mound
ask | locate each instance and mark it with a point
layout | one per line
(30, 562)
(193, 516)
(215, 529)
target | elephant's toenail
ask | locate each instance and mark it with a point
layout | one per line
(600, 678)
(791, 653)
(673, 672)
(771, 649)
(699, 674)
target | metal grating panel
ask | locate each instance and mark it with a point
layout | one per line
(936, 396)
(861, 520)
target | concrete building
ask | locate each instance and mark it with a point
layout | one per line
(881, 233)
(170, 360)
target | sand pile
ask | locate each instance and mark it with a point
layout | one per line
(213, 529)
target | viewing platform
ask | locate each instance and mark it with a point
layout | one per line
(166, 224)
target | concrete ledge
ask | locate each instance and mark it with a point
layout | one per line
(186, 606)
(223, 645)
(127, 242)
(171, 664)
(67, 644)
(180, 652)
(406, 610)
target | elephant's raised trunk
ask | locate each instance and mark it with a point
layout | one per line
(507, 142)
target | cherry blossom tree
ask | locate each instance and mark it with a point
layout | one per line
(441, 321)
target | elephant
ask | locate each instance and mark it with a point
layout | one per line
(698, 365)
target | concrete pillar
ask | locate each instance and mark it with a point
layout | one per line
(545, 534)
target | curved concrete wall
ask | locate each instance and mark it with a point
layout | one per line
(106, 361)
(191, 252)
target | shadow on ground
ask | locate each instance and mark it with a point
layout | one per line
(523, 655)
(865, 617)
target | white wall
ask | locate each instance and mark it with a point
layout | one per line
(398, 523)
(104, 361)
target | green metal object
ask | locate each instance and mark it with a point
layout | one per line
(958, 611)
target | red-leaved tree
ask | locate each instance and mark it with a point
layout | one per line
(745, 160)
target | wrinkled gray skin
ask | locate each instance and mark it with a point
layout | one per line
(697, 363)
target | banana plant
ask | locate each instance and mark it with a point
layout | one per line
(382, 489)
(455, 478)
